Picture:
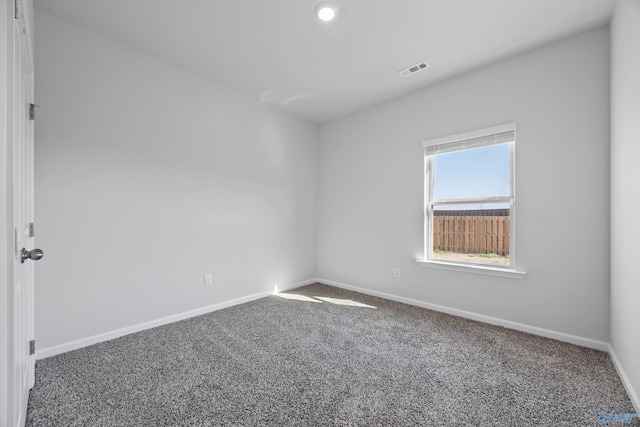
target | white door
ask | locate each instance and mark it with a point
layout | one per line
(23, 306)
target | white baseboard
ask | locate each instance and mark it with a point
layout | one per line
(560, 336)
(625, 380)
(94, 339)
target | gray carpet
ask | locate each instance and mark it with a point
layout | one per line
(306, 359)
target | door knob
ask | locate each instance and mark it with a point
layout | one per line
(33, 254)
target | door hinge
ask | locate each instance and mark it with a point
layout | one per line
(32, 347)
(31, 230)
(32, 111)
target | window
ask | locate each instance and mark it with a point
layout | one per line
(469, 198)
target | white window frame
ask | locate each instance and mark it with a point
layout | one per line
(459, 142)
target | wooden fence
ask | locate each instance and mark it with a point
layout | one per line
(472, 232)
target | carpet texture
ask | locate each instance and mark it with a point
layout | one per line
(320, 356)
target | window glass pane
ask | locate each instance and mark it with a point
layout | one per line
(474, 233)
(476, 172)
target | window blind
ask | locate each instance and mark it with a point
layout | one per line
(480, 138)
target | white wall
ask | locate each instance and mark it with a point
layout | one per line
(148, 177)
(371, 188)
(625, 195)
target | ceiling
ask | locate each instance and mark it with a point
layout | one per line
(279, 52)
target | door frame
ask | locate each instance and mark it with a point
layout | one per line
(7, 119)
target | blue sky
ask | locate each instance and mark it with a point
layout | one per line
(478, 172)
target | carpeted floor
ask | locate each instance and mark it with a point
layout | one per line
(320, 356)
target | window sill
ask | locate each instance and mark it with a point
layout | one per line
(475, 269)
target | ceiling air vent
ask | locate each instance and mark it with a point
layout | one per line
(413, 69)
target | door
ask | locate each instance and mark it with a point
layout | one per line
(22, 369)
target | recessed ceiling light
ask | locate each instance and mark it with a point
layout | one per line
(326, 12)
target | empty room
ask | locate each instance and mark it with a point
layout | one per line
(320, 212)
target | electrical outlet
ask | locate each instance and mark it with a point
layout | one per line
(396, 271)
(208, 279)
